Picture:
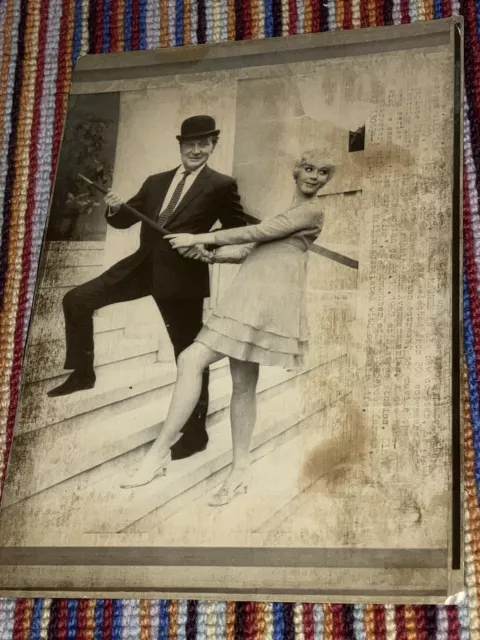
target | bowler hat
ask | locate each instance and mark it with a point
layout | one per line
(198, 127)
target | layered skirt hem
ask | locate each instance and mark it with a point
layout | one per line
(243, 342)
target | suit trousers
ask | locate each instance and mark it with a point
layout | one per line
(183, 320)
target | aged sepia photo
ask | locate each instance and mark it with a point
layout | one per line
(242, 334)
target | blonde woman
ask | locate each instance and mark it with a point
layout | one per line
(261, 320)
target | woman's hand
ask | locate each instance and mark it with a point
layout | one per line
(180, 240)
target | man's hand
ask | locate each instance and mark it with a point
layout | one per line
(197, 252)
(113, 200)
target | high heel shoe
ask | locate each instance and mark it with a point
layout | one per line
(225, 494)
(141, 477)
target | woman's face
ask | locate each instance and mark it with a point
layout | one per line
(311, 178)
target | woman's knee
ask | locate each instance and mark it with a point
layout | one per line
(244, 375)
(191, 359)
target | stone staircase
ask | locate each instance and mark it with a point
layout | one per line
(70, 455)
(69, 473)
(282, 477)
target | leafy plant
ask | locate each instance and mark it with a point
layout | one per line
(87, 155)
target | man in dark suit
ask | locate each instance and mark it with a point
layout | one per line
(190, 198)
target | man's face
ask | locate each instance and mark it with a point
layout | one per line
(196, 152)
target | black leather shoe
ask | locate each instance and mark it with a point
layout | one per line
(76, 381)
(189, 445)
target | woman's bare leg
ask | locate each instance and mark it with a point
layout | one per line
(190, 366)
(243, 416)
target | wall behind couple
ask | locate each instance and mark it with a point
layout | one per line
(265, 123)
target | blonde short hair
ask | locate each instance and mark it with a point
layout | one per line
(315, 158)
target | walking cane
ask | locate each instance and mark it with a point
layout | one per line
(322, 251)
(161, 229)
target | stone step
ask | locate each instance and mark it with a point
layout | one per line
(98, 441)
(87, 421)
(45, 360)
(299, 453)
(116, 382)
(55, 277)
(174, 491)
(48, 302)
(93, 502)
(61, 246)
(48, 324)
(80, 258)
(278, 424)
(71, 263)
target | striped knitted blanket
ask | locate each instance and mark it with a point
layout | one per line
(39, 43)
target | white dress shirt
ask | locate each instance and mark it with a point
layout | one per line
(176, 179)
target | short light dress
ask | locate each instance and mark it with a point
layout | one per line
(262, 316)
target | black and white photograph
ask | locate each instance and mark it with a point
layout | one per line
(241, 337)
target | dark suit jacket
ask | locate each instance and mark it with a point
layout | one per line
(213, 196)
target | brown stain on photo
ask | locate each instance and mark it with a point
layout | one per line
(381, 155)
(330, 460)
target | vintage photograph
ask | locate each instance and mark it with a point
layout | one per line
(242, 330)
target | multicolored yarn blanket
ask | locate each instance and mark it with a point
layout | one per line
(167, 620)
(39, 43)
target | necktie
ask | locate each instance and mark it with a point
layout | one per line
(165, 215)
